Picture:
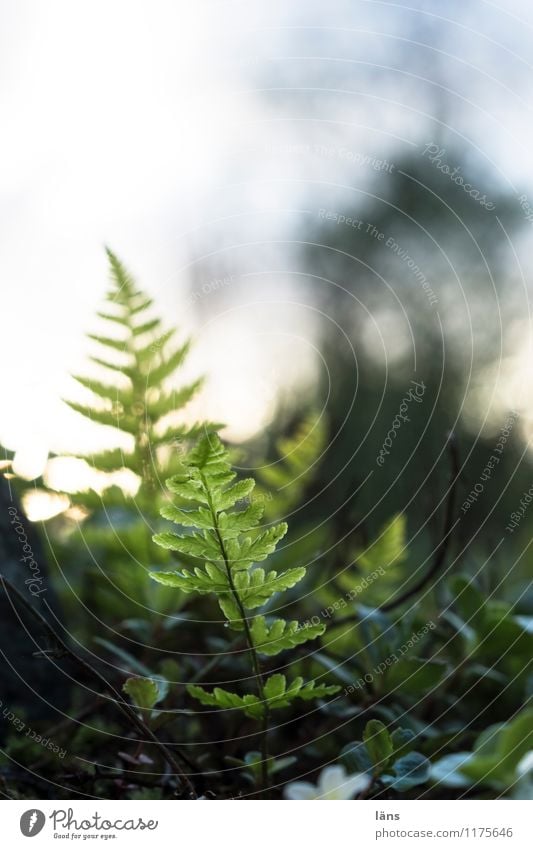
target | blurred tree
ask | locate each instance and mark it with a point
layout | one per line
(413, 284)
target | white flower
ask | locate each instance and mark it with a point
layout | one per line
(523, 788)
(333, 783)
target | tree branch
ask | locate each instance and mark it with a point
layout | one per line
(442, 548)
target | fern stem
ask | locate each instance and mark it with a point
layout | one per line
(249, 639)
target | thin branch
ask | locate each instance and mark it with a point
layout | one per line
(442, 549)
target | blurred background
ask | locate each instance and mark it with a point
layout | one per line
(335, 203)
(334, 200)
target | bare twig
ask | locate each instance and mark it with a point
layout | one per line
(442, 548)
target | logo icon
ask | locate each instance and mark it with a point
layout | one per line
(32, 822)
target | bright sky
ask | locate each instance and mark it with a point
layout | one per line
(111, 118)
(124, 122)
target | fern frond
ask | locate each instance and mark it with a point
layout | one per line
(114, 461)
(173, 401)
(378, 569)
(175, 434)
(107, 392)
(122, 320)
(256, 587)
(230, 542)
(146, 354)
(133, 389)
(168, 366)
(147, 327)
(144, 304)
(209, 580)
(108, 418)
(135, 397)
(125, 285)
(119, 345)
(274, 637)
(389, 549)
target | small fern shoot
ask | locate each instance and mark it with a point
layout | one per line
(379, 569)
(228, 542)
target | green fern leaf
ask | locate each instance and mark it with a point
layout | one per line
(197, 518)
(238, 492)
(113, 461)
(136, 394)
(168, 366)
(116, 344)
(169, 403)
(253, 551)
(379, 568)
(195, 545)
(389, 549)
(271, 639)
(251, 705)
(134, 398)
(107, 418)
(145, 355)
(105, 391)
(233, 524)
(144, 304)
(209, 580)
(146, 327)
(256, 587)
(231, 542)
(120, 319)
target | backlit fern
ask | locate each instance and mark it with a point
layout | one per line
(289, 477)
(135, 398)
(227, 543)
